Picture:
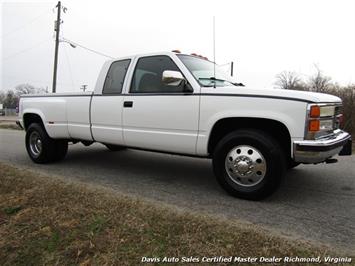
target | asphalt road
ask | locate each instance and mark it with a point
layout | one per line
(315, 203)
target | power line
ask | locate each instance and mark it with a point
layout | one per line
(46, 82)
(25, 50)
(69, 67)
(24, 25)
(86, 48)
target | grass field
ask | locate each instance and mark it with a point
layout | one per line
(45, 220)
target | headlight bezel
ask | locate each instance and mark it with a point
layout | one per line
(326, 116)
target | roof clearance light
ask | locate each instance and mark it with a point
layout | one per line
(199, 56)
(176, 51)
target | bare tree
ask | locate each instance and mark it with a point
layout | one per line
(288, 80)
(28, 89)
(319, 82)
(11, 99)
(2, 96)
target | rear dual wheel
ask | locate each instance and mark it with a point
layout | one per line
(249, 164)
(41, 147)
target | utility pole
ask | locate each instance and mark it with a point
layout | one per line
(84, 87)
(214, 51)
(56, 29)
(232, 66)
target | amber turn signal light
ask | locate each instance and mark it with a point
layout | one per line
(315, 111)
(314, 125)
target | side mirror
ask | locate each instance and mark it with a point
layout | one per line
(172, 78)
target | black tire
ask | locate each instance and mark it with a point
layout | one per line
(112, 147)
(264, 145)
(50, 150)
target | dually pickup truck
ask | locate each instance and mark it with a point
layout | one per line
(184, 104)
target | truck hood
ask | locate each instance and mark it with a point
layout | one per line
(277, 93)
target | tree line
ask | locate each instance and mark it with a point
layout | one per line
(10, 98)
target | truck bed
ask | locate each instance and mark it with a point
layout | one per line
(66, 115)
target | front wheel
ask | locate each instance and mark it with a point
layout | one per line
(249, 164)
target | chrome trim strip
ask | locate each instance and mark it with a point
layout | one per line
(174, 94)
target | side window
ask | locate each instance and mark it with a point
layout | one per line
(148, 74)
(115, 77)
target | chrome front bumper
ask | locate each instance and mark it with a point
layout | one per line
(317, 151)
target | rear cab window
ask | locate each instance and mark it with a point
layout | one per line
(116, 76)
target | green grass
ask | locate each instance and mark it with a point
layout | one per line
(46, 221)
(12, 210)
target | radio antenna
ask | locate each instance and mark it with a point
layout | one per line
(214, 52)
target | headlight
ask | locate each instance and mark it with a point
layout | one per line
(327, 110)
(326, 124)
(317, 111)
(322, 119)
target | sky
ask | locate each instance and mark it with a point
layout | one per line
(263, 38)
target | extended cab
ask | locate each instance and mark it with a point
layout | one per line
(183, 104)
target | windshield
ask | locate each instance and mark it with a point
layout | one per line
(203, 71)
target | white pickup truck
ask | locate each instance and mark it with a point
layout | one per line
(184, 104)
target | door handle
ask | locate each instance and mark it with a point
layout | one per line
(128, 104)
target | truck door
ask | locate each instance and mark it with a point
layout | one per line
(157, 116)
(106, 109)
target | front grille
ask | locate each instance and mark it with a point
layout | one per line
(338, 110)
(337, 113)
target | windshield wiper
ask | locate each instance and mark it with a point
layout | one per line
(238, 84)
(216, 79)
(223, 80)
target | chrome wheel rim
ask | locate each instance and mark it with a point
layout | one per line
(35, 144)
(245, 165)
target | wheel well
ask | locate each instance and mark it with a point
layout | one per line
(30, 118)
(272, 127)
